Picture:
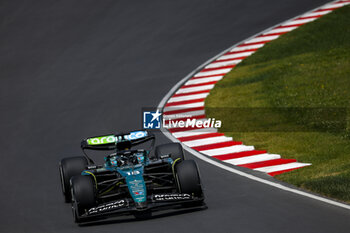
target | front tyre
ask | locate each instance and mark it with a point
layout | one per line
(69, 167)
(83, 195)
(187, 177)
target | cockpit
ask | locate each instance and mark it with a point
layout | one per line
(126, 158)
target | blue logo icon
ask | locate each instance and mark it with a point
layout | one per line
(152, 120)
(136, 135)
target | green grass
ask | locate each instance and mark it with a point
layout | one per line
(306, 68)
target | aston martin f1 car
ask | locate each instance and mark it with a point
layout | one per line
(131, 181)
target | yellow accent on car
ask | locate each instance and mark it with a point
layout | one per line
(111, 188)
(173, 165)
(93, 175)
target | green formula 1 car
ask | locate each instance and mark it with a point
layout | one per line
(130, 181)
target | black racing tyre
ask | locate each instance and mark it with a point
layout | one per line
(83, 193)
(173, 149)
(68, 168)
(187, 177)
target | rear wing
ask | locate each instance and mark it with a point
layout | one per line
(117, 141)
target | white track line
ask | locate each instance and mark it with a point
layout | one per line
(282, 167)
(236, 55)
(194, 89)
(299, 21)
(261, 39)
(279, 30)
(247, 47)
(224, 63)
(182, 106)
(203, 80)
(207, 141)
(184, 111)
(187, 97)
(194, 132)
(337, 5)
(212, 72)
(201, 156)
(252, 159)
(227, 150)
(315, 14)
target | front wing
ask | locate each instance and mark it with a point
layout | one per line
(127, 206)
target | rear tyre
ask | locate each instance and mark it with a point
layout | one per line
(173, 149)
(68, 168)
(187, 177)
(83, 195)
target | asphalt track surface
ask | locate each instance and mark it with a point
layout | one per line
(71, 69)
